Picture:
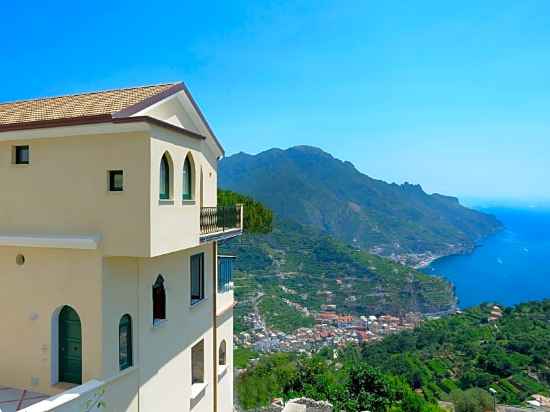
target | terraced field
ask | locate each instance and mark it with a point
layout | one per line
(511, 355)
(308, 268)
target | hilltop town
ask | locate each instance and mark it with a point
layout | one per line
(330, 329)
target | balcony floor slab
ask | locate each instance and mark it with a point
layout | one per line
(221, 235)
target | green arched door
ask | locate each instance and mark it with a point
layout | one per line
(70, 346)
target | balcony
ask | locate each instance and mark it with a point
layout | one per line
(220, 223)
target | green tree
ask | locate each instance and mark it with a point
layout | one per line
(257, 217)
(367, 389)
(471, 400)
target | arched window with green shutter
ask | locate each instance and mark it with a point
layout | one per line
(164, 178)
(187, 192)
(125, 356)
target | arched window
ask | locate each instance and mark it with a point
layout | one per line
(125, 358)
(222, 353)
(164, 177)
(187, 192)
(159, 300)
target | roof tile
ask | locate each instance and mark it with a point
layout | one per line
(78, 105)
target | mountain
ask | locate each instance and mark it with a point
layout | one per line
(309, 186)
(300, 267)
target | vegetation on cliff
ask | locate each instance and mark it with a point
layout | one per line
(348, 385)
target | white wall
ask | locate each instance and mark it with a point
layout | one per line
(120, 297)
(225, 377)
(30, 296)
(162, 353)
(165, 351)
(102, 290)
(64, 190)
(172, 111)
(175, 224)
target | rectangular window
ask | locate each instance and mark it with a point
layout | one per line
(197, 363)
(225, 273)
(116, 180)
(21, 155)
(197, 278)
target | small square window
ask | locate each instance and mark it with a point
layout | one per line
(116, 181)
(21, 155)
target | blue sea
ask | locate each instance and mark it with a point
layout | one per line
(509, 267)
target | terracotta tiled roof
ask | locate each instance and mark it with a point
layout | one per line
(79, 105)
(328, 315)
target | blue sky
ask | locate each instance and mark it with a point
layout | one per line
(454, 97)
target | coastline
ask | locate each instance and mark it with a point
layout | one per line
(420, 261)
(428, 258)
(464, 250)
(424, 263)
(428, 261)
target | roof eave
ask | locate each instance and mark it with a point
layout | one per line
(161, 123)
(44, 124)
(91, 120)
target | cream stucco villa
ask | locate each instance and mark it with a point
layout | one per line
(112, 293)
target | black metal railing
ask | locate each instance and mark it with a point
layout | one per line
(220, 219)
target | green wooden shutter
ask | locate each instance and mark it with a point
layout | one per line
(70, 346)
(164, 178)
(187, 181)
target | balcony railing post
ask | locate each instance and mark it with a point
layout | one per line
(240, 215)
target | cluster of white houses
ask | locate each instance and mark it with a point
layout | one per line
(112, 294)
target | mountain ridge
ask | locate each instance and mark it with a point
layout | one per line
(400, 221)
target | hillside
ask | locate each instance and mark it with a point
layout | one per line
(306, 185)
(511, 355)
(310, 268)
(455, 358)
